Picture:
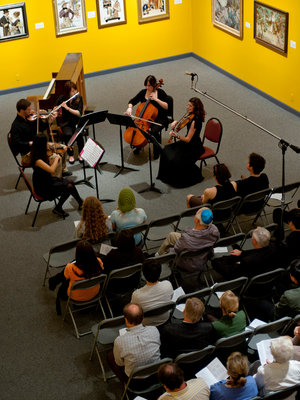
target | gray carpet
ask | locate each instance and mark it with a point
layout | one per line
(40, 356)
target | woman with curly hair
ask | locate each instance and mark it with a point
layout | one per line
(94, 223)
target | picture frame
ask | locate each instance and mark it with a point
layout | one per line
(153, 10)
(228, 16)
(271, 26)
(70, 16)
(111, 12)
(13, 22)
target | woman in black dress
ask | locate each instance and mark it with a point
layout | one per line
(70, 115)
(158, 98)
(177, 161)
(46, 185)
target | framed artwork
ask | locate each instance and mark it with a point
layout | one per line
(228, 15)
(13, 22)
(153, 10)
(111, 12)
(271, 26)
(69, 16)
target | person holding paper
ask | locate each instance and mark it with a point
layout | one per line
(283, 372)
(238, 385)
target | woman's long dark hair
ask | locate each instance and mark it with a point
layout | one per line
(198, 108)
(39, 149)
(67, 89)
(86, 260)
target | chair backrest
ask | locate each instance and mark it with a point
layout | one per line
(254, 202)
(29, 186)
(225, 210)
(147, 370)
(63, 251)
(109, 329)
(287, 188)
(235, 285)
(234, 340)
(260, 285)
(186, 256)
(89, 283)
(194, 356)
(137, 229)
(202, 294)
(275, 326)
(133, 272)
(279, 394)
(169, 306)
(213, 130)
(158, 228)
(189, 213)
(230, 240)
(271, 228)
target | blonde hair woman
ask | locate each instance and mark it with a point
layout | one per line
(233, 321)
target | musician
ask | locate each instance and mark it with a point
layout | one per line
(23, 131)
(69, 117)
(177, 162)
(45, 185)
(158, 98)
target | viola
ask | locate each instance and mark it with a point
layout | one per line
(145, 112)
(188, 117)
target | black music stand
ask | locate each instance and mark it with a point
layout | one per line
(93, 119)
(95, 165)
(121, 120)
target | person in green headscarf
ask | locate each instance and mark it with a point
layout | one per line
(127, 215)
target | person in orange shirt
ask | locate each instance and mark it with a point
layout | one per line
(85, 266)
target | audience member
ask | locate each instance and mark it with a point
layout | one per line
(138, 346)
(203, 236)
(296, 343)
(127, 215)
(191, 334)
(86, 266)
(94, 224)
(224, 189)
(233, 321)
(172, 378)
(257, 180)
(289, 303)
(238, 385)
(154, 294)
(290, 247)
(283, 372)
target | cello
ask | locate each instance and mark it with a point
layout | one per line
(145, 113)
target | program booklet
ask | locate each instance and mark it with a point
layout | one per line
(213, 372)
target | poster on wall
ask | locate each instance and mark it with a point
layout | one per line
(228, 15)
(153, 10)
(13, 22)
(69, 16)
(111, 12)
(271, 26)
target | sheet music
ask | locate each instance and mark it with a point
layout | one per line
(177, 293)
(214, 372)
(106, 248)
(220, 250)
(254, 324)
(264, 351)
(91, 152)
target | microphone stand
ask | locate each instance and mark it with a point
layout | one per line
(282, 144)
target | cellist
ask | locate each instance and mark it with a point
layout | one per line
(158, 98)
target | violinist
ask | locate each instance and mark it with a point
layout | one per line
(158, 99)
(178, 160)
(69, 115)
(23, 130)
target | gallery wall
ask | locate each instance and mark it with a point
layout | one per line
(32, 60)
(271, 72)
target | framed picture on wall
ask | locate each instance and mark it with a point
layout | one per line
(228, 15)
(69, 16)
(271, 26)
(153, 10)
(111, 12)
(13, 22)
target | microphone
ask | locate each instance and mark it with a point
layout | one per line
(295, 148)
(192, 74)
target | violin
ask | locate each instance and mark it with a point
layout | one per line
(43, 114)
(145, 112)
(188, 117)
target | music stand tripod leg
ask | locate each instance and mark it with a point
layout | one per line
(85, 180)
(152, 187)
(122, 166)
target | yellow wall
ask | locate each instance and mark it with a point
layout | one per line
(265, 69)
(31, 60)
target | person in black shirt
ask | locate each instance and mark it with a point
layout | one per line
(158, 98)
(256, 181)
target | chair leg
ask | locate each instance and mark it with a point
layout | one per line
(101, 365)
(109, 307)
(217, 159)
(28, 204)
(18, 181)
(36, 213)
(46, 273)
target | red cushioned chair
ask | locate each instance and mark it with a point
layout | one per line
(213, 132)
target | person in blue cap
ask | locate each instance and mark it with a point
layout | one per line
(203, 235)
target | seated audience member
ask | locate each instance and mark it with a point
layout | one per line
(262, 258)
(233, 321)
(296, 343)
(86, 266)
(290, 247)
(289, 303)
(94, 224)
(154, 294)
(138, 346)
(257, 180)
(126, 253)
(283, 372)
(172, 378)
(238, 385)
(203, 236)
(188, 335)
(224, 189)
(127, 215)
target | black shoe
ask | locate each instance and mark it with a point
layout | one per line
(155, 156)
(67, 173)
(60, 212)
(52, 283)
